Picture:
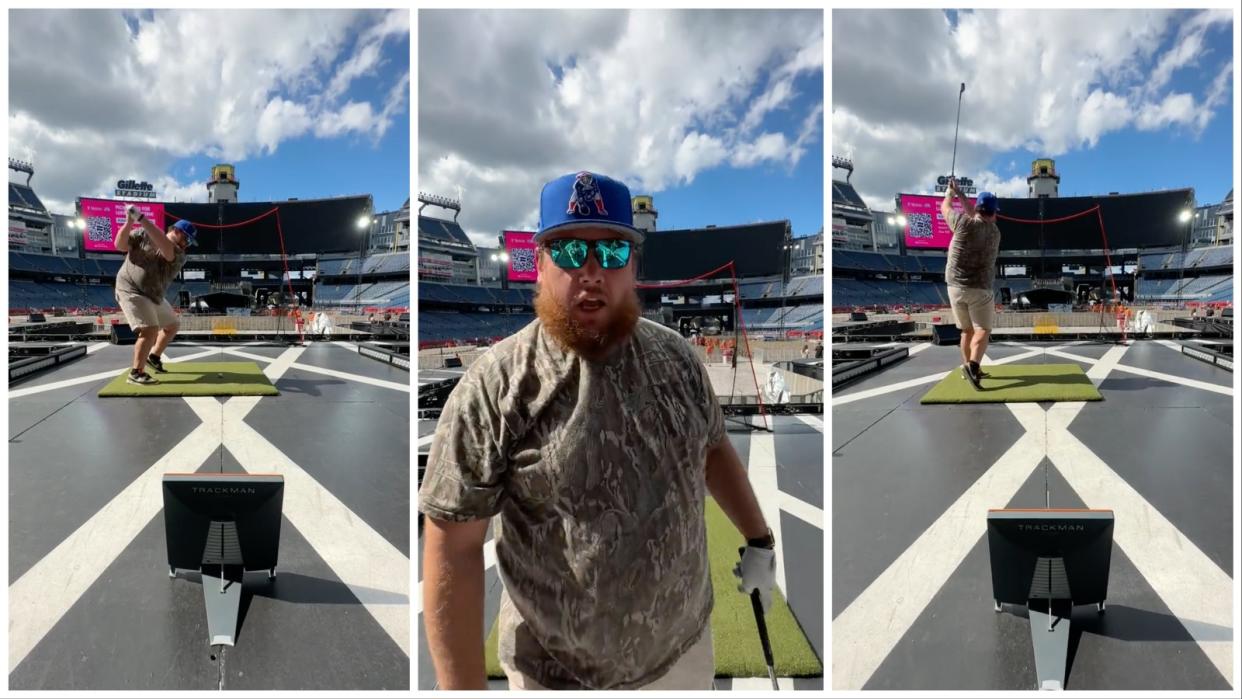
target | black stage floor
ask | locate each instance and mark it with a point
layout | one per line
(786, 471)
(91, 603)
(911, 596)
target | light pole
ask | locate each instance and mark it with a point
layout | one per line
(788, 248)
(364, 224)
(899, 220)
(1185, 218)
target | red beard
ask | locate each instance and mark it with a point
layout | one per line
(592, 343)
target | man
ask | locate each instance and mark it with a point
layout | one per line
(969, 271)
(595, 435)
(152, 259)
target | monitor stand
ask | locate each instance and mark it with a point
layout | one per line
(1050, 636)
(222, 585)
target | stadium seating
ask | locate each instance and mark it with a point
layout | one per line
(443, 231)
(21, 195)
(453, 325)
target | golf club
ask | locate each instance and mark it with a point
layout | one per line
(757, 606)
(953, 166)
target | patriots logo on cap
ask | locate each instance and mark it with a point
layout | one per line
(585, 193)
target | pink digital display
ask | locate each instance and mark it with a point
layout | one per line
(520, 245)
(925, 227)
(104, 217)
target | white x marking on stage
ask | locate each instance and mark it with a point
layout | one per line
(1197, 591)
(374, 570)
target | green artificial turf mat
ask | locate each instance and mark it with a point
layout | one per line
(735, 639)
(197, 379)
(1016, 383)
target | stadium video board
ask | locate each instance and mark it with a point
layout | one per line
(307, 226)
(520, 246)
(926, 229)
(1148, 219)
(755, 249)
(104, 217)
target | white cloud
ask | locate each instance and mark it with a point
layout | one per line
(1048, 81)
(770, 147)
(653, 98)
(697, 152)
(1101, 113)
(1178, 108)
(281, 120)
(97, 94)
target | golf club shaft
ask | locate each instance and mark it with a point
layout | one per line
(953, 166)
(757, 605)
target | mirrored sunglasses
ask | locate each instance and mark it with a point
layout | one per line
(571, 253)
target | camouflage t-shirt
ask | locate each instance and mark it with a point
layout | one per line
(971, 262)
(145, 271)
(597, 470)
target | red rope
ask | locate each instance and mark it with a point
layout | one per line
(737, 300)
(1071, 217)
(1111, 276)
(228, 225)
(285, 260)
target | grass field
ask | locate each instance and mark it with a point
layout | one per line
(197, 379)
(734, 635)
(1016, 383)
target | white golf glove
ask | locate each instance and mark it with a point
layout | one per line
(757, 571)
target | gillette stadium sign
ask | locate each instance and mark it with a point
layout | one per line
(130, 188)
(965, 184)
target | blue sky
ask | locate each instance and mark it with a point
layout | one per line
(1123, 100)
(305, 103)
(719, 115)
(725, 195)
(1134, 160)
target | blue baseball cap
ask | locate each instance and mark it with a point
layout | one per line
(188, 230)
(987, 201)
(586, 200)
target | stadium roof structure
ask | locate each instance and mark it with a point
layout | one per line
(847, 204)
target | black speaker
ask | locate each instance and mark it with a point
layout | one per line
(122, 334)
(183, 298)
(453, 362)
(858, 316)
(1006, 295)
(946, 334)
(38, 318)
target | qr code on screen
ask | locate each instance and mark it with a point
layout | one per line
(522, 259)
(99, 229)
(920, 225)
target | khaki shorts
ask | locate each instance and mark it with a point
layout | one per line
(972, 307)
(141, 312)
(696, 669)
